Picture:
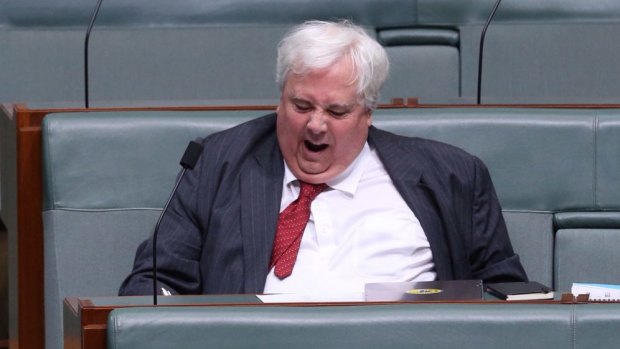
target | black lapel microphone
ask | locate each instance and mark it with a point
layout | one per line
(484, 32)
(86, 41)
(188, 161)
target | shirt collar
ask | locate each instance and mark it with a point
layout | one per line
(347, 181)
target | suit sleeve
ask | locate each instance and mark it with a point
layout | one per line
(492, 258)
(179, 244)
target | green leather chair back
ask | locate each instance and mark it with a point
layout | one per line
(107, 175)
(386, 326)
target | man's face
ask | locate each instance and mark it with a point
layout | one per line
(322, 123)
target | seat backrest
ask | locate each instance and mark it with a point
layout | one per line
(496, 325)
(552, 168)
(365, 327)
(586, 241)
(153, 52)
(540, 162)
(107, 175)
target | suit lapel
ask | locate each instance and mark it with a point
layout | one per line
(406, 168)
(261, 192)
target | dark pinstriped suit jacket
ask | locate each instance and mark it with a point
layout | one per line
(218, 233)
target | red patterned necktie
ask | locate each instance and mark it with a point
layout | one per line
(291, 225)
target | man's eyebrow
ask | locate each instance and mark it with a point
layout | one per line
(333, 106)
(298, 99)
(337, 106)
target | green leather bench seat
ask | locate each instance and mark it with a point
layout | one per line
(384, 13)
(162, 53)
(190, 66)
(107, 175)
(384, 326)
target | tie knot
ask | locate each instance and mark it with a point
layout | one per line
(310, 191)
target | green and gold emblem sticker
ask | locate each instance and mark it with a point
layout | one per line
(422, 291)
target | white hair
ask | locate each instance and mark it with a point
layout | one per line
(319, 44)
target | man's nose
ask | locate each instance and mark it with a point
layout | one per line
(318, 121)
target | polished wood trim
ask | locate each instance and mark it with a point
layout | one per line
(95, 337)
(37, 114)
(517, 106)
(31, 323)
(34, 116)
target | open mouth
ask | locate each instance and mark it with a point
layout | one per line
(315, 147)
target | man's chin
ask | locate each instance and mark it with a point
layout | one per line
(313, 174)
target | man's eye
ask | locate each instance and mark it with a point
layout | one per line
(302, 108)
(337, 114)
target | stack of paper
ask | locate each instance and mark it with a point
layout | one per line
(597, 292)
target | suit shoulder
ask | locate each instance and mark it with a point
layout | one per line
(421, 146)
(235, 144)
(440, 148)
(246, 131)
(440, 159)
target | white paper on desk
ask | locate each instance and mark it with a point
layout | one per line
(311, 298)
(598, 292)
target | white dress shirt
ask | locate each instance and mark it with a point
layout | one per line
(360, 231)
